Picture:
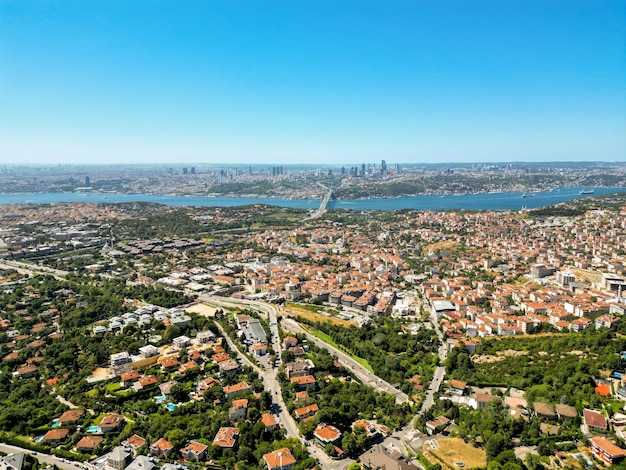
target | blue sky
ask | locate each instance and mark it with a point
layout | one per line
(300, 81)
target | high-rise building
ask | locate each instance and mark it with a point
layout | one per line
(87, 181)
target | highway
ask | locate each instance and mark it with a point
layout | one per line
(33, 269)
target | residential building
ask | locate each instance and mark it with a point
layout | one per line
(12, 461)
(595, 420)
(120, 359)
(236, 389)
(142, 463)
(544, 410)
(238, 410)
(483, 399)
(55, 436)
(458, 387)
(606, 450)
(280, 459)
(306, 411)
(70, 417)
(134, 442)
(88, 443)
(194, 451)
(269, 421)
(162, 448)
(379, 457)
(306, 381)
(436, 425)
(566, 411)
(111, 423)
(118, 458)
(148, 351)
(226, 437)
(326, 434)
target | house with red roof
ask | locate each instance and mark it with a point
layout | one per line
(269, 421)
(88, 443)
(279, 459)
(162, 448)
(595, 420)
(54, 436)
(606, 450)
(326, 434)
(226, 437)
(194, 451)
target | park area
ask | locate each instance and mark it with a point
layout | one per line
(455, 450)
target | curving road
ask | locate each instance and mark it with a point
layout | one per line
(269, 376)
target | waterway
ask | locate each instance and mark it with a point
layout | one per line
(488, 201)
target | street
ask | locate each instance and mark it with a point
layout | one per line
(271, 382)
(46, 458)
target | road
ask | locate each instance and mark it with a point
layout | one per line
(45, 458)
(440, 371)
(33, 269)
(272, 385)
(359, 371)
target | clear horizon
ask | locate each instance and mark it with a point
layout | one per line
(278, 82)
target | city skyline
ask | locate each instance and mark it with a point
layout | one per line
(311, 83)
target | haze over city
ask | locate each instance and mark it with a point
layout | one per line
(311, 82)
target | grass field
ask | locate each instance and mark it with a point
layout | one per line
(328, 340)
(292, 311)
(456, 450)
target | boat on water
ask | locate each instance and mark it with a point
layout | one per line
(526, 195)
(586, 191)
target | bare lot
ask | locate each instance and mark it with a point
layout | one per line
(300, 312)
(456, 450)
(201, 309)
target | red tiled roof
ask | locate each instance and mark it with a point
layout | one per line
(458, 384)
(241, 386)
(326, 432)
(136, 441)
(129, 375)
(226, 437)
(268, 420)
(608, 446)
(279, 458)
(56, 435)
(89, 442)
(307, 410)
(71, 416)
(162, 445)
(594, 419)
